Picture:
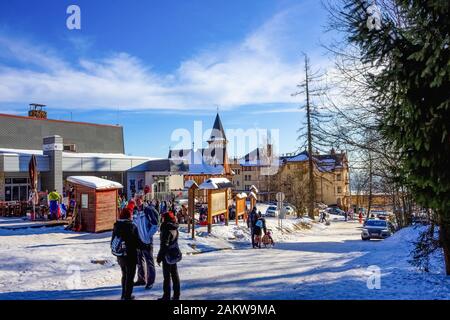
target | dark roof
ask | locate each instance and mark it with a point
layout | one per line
(324, 162)
(57, 121)
(217, 131)
(19, 132)
(162, 165)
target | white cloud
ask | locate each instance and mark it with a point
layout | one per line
(257, 70)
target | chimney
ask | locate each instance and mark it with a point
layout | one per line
(332, 152)
(53, 149)
(37, 111)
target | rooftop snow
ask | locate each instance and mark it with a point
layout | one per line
(94, 182)
(74, 154)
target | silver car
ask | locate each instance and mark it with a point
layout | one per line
(376, 229)
(272, 211)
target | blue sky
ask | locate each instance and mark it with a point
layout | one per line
(157, 66)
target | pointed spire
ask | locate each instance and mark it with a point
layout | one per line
(218, 133)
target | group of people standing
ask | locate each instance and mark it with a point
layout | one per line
(257, 225)
(133, 232)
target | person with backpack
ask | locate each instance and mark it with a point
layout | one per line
(124, 243)
(169, 254)
(252, 218)
(146, 221)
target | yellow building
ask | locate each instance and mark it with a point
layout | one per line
(290, 175)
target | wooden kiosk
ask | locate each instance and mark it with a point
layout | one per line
(217, 195)
(241, 206)
(96, 201)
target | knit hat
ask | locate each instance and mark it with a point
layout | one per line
(169, 216)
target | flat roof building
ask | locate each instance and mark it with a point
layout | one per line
(62, 149)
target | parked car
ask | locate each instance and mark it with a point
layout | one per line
(272, 211)
(290, 210)
(377, 229)
(335, 210)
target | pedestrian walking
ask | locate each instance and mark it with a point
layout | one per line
(169, 254)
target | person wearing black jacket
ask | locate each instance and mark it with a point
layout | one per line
(169, 238)
(260, 226)
(252, 217)
(125, 229)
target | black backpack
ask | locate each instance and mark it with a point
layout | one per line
(118, 247)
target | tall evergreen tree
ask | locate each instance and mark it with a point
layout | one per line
(410, 86)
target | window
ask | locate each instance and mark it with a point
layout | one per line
(70, 147)
(247, 187)
(16, 189)
(237, 183)
(84, 201)
(339, 177)
(339, 189)
(19, 180)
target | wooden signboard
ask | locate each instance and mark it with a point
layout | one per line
(241, 207)
(217, 205)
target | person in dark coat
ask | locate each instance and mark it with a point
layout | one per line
(260, 226)
(125, 229)
(169, 238)
(252, 218)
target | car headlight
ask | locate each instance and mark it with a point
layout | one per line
(385, 230)
(365, 230)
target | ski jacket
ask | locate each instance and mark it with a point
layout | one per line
(252, 217)
(146, 222)
(168, 237)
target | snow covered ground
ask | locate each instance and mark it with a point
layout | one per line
(309, 261)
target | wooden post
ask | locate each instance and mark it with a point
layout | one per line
(191, 211)
(226, 201)
(209, 211)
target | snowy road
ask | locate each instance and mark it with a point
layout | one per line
(328, 263)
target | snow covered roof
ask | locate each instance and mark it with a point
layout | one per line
(253, 195)
(323, 162)
(216, 183)
(241, 195)
(94, 182)
(20, 151)
(188, 184)
(74, 154)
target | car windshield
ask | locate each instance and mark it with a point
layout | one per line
(376, 223)
(272, 208)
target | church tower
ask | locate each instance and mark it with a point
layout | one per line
(217, 145)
